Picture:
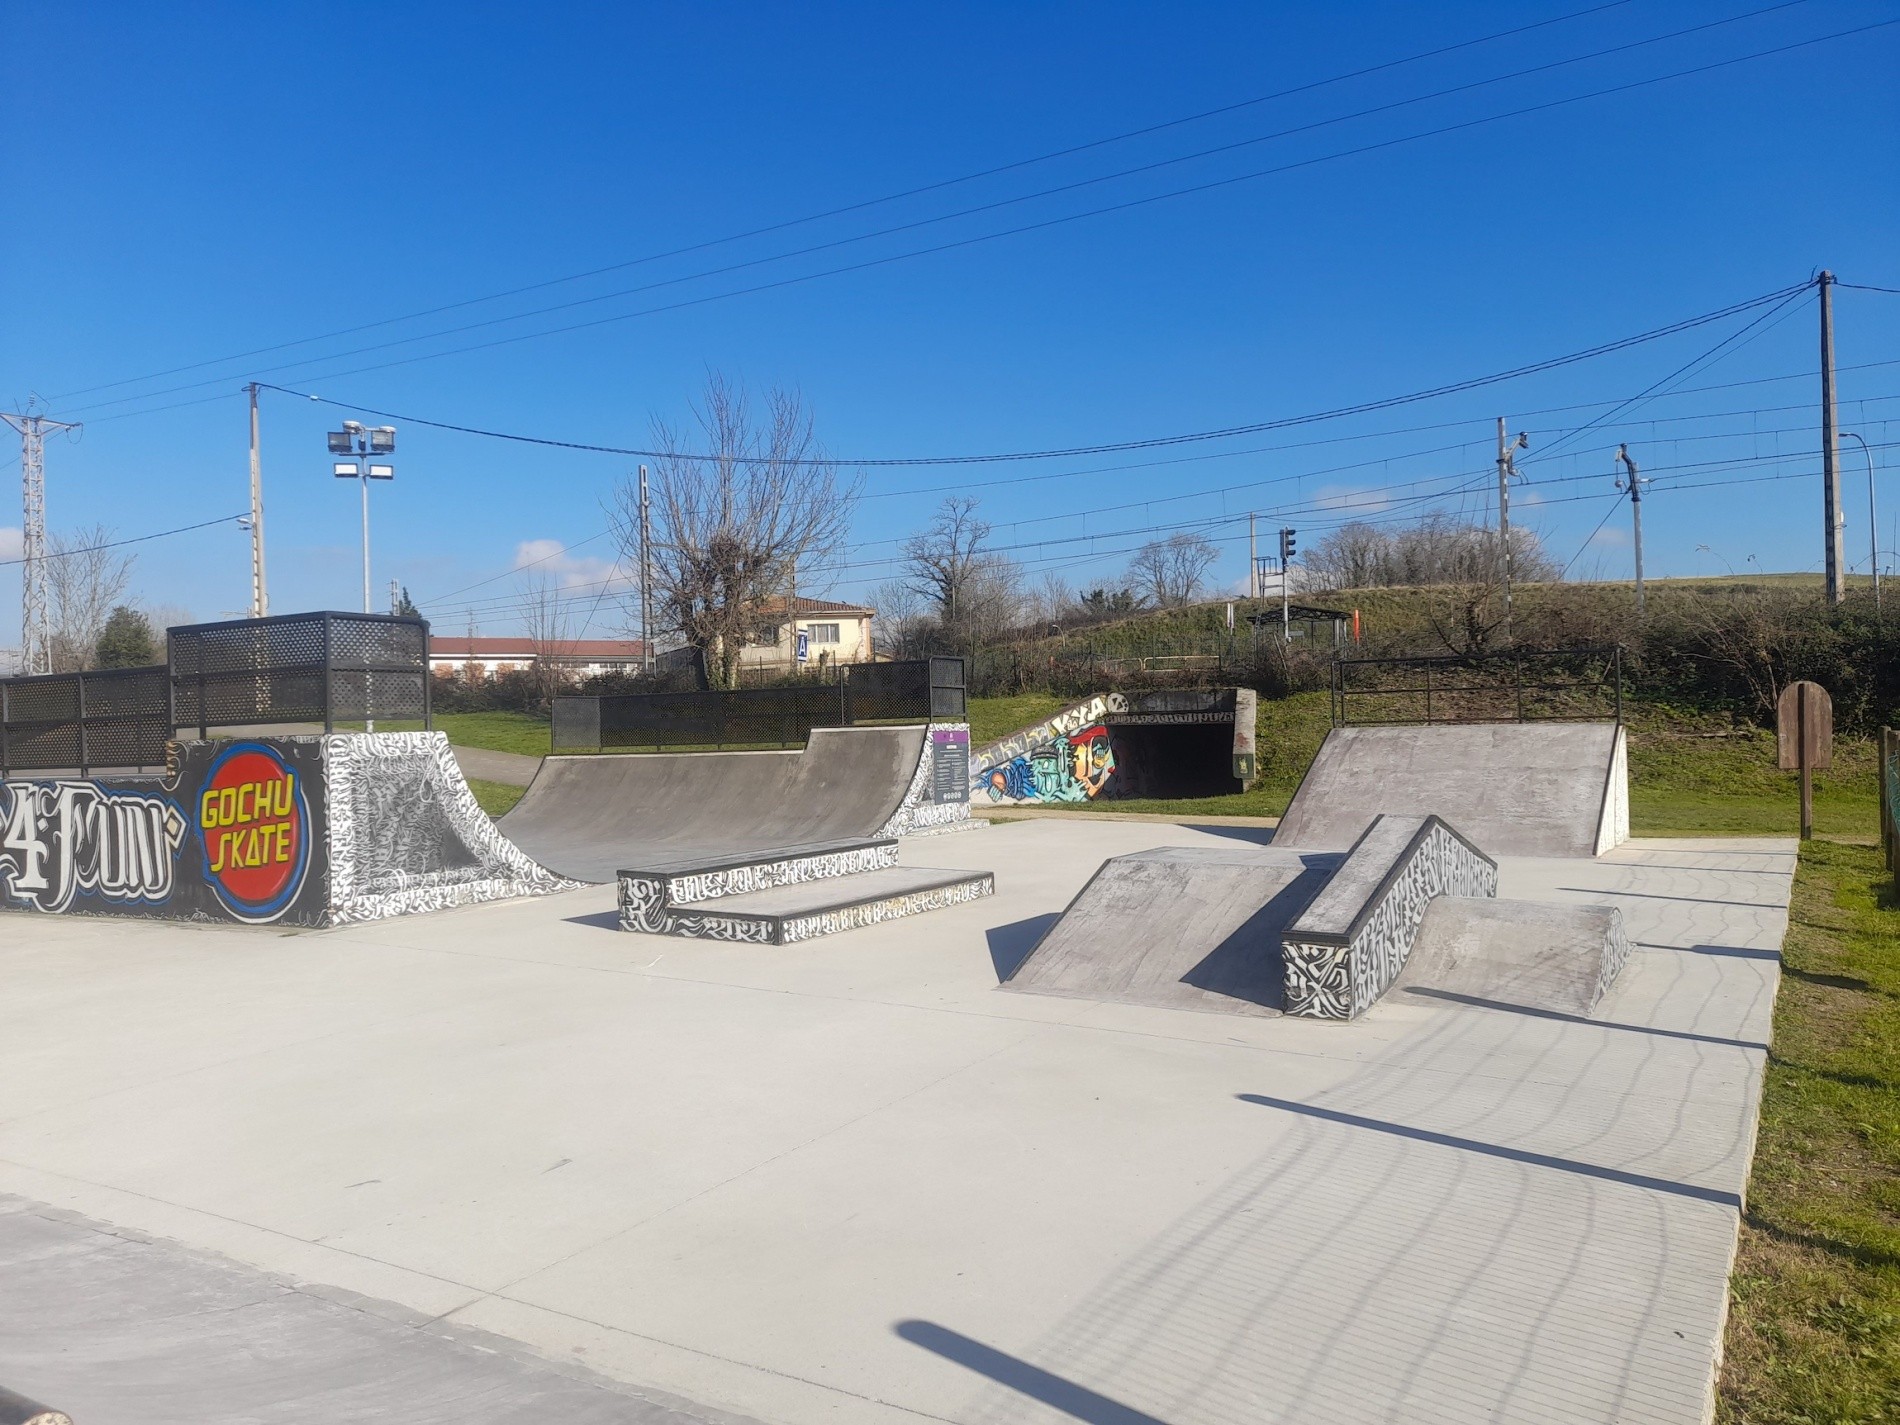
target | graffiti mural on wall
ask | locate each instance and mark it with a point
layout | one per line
(228, 834)
(1070, 769)
(1067, 758)
(62, 839)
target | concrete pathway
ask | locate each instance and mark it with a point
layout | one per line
(852, 1181)
(514, 769)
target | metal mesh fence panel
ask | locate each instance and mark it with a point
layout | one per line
(321, 667)
(914, 691)
(109, 718)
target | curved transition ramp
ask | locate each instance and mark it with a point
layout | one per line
(591, 817)
(311, 831)
(1526, 788)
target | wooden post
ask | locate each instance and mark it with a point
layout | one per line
(1804, 740)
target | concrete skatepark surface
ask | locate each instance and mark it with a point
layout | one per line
(857, 1183)
(589, 817)
(1517, 789)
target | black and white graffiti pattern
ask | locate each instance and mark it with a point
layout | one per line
(918, 814)
(851, 917)
(58, 839)
(646, 908)
(1616, 954)
(1326, 980)
(788, 871)
(407, 835)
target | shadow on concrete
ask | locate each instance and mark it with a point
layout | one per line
(1659, 896)
(1535, 1013)
(1256, 835)
(602, 919)
(1496, 1150)
(1058, 1393)
(1731, 952)
(1010, 944)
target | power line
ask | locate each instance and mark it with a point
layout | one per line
(871, 202)
(136, 539)
(998, 204)
(1127, 205)
(1105, 448)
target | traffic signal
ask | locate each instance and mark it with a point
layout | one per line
(1287, 547)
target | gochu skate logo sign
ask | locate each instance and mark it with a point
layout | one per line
(64, 838)
(254, 830)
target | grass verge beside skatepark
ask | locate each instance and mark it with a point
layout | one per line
(1814, 1323)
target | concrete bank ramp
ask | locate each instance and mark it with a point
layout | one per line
(1179, 928)
(1516, 789)
(1554, 959)
(588, 817)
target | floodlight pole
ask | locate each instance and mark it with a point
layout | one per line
(260, 597)
(363, 480)
(1873, 515)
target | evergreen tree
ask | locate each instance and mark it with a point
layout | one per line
(126, 641)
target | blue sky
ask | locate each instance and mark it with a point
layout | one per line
(194, 182)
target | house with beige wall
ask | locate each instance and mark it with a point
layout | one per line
(836, 633)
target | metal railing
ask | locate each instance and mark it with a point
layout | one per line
(1563, 684)
(917, 690)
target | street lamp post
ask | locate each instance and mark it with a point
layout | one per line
(353, 452)
(361, 445)
(1873, 526)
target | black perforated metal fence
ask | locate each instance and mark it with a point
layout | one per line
(110, 718)
(320, 667)
(919, 690)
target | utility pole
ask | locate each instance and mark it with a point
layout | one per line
(1287, 550)
(646, 577)
(1830, 452)
(1507, 467)
(36, 651)
(1253, 559)
(1636, 483)
(260, 597)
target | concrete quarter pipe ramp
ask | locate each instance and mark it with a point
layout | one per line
(589, 818)
(1522, 789)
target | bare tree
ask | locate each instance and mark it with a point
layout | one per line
(1051, 603)
(744, 506)
(1170, 571)
(942, 563)
(903, 626)
(84, 582)
(1437, 549)
(544, 614)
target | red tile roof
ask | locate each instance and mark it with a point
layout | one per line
(521, 646)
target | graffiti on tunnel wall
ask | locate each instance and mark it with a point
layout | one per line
(1066, 769)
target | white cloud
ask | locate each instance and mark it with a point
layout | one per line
(568, 571)
(1610, 537)
(11, 543)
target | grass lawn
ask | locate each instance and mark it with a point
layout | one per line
(495, 798)
(1814, 1317)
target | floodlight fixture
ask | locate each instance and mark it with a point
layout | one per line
(382, 472)
(382, 440)
(341, 443)
(345, 469)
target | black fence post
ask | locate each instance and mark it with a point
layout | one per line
(6, 719)
(329, 693)
(85, 757)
